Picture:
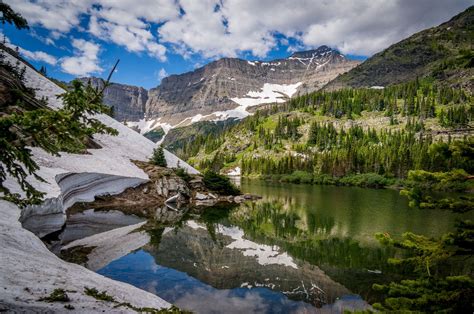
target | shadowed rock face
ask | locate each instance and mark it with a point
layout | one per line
(210, 88)
(128, 101)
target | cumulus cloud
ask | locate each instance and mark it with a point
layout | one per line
(39, 56)
(31, 55)
(214, 28)
(85, 60)
(161, 74)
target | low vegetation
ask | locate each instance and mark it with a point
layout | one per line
(219, 183)
(58, 295)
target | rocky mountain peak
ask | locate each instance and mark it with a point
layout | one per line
(320, 52)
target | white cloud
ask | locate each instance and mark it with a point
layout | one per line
(161, 74)
(85, 60)
(39, 56)
(229, 27)
(31, 55)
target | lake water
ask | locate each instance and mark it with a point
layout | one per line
(300, 249)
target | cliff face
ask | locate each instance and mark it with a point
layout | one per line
(223, 89)
(128, 101)
(222, 84)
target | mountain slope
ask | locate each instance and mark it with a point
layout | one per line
(443, 52)
(211, 92)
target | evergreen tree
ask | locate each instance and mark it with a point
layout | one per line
(43, 70)
(158, 157)
(11, 17)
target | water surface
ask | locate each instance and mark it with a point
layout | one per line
(300, 249)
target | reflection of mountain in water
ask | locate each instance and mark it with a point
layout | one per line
(314, 237)
(223, 264)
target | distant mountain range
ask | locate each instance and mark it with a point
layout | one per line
(223, 89)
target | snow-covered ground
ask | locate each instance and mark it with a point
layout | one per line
(29, 271)
(25, 261)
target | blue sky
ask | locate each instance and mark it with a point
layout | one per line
(156, 38)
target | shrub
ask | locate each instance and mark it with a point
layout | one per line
(183, 174)
(219, 183)
(298, 177)
(370, 180)
(58, 295)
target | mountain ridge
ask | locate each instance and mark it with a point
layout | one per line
(224, 88)
(443, 52)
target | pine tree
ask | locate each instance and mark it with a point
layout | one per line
(158, 157)
(43, 70)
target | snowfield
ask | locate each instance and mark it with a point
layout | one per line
(269, 93)
(70, 178)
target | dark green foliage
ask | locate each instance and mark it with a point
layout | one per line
(58, 295)
(369, 180)
(422, 189)
(458, 116)
(186, 141)
(11, 17)
(437, 285)
(219, 183)
(155, 135)
(339, 152)
(98, 295)
(158, 157)
(183, 174)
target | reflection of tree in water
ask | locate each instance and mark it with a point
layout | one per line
(307, 236)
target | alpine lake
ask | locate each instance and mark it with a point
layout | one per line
(299, 249)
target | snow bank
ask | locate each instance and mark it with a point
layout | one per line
(24, 261)
(29, 271)
(80, 177)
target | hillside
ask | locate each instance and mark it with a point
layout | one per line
(337, 134)
(443, 52)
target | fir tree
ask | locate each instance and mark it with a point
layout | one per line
(11, 17)
(158, 157)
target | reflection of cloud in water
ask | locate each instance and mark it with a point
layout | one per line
(203, 300)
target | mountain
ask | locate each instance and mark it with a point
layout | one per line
(223, 89)
(128, 101)
(226, 87)
(444, 52)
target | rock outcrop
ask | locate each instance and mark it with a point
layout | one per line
(128, 101)
(210, 92)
